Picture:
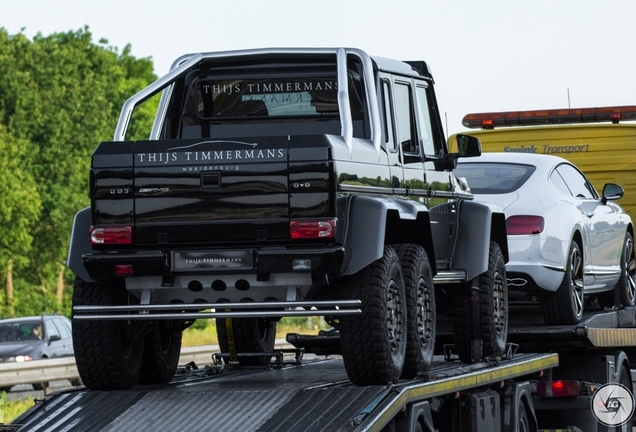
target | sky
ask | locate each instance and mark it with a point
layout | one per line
(485, 55)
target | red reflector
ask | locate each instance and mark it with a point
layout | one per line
(111, 235)
(311, 229)
(559, 388)
(524, 225)
(123, 270)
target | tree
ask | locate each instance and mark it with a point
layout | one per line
(60, 95)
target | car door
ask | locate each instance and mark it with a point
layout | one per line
(389, 136)
(53, 338)
(64, 326)
(604, 231)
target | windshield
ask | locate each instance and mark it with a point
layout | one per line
(494, 178)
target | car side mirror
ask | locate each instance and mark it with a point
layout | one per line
(612, 191)
(55, 337)
(468, 146)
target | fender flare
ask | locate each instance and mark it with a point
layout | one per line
(80, 244)
(478, 225)
(371, 223)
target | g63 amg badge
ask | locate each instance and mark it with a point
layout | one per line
(613, 404)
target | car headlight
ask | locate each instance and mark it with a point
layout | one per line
(20, 358)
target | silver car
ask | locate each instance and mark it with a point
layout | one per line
(564, 240)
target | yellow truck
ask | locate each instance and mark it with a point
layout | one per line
(600, 141)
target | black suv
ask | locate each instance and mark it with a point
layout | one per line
(284, 182)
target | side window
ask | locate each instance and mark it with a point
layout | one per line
(576, 182)
(558, 181)
(388, 117)
(51, 329)
(404, 118)
(423, 116)
(63, 328)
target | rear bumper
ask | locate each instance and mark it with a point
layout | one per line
(260, 261)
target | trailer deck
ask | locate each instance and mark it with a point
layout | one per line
(315, 395)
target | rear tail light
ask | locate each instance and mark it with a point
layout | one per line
(524, 225)
(115, 235)
(312, 229)
(559, 388)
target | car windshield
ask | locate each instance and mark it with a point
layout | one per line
(494, 178)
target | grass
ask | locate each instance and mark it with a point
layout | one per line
(203, 333)
(9, 410)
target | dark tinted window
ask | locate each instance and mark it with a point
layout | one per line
(404, 118)
(494, 178)
(267, 97)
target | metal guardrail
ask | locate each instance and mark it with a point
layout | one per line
(38, 371)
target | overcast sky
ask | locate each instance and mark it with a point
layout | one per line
(486, 55)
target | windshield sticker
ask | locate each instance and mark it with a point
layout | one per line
(269, 97)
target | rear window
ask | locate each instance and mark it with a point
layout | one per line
(494, 178)
(269, 97)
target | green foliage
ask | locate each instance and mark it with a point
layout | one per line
(60, 95)
(10, 409)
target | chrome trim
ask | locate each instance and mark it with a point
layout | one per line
(245, 310)
(450, 276)
(365, 189)
(343, 100)
(148, 92)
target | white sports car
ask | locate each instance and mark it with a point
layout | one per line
(564, 240)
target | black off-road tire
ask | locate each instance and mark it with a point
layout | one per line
(566, 304)
(108, 353)
(493, 311)
(374, 343)
(626, 285)
(251, 335)
(420, 304)
(162, 348)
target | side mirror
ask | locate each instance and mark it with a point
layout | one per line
(468, 146)
(612, 191)
(55, 337)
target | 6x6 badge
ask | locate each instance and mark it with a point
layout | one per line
(613, 404)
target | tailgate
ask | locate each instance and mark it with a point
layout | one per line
(211, 190)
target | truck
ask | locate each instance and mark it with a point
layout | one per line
(599, 140)
(550, 379)
(284, 182)
(293, 182)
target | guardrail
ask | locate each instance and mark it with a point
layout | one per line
(39, 371)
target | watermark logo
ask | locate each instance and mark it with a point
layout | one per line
(613, 404)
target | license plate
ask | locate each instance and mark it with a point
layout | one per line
(212, 261)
